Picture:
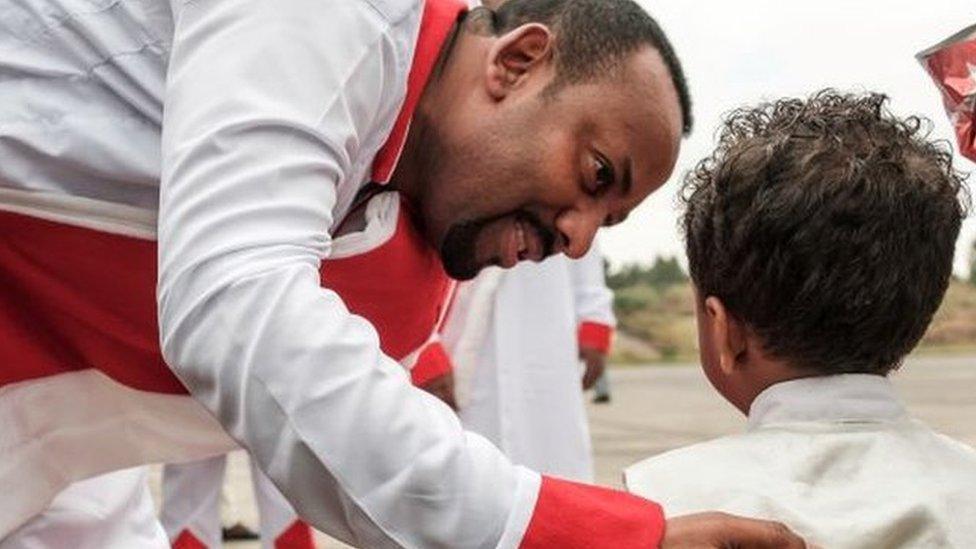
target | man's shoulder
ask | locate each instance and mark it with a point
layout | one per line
(394, 11)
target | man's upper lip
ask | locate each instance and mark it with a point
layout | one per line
(533, 241)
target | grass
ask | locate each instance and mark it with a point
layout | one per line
(657, 324)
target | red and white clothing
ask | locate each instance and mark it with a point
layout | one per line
(276, 114)
(191, 491)
(190, 512)
(111, 511)
(514, 337)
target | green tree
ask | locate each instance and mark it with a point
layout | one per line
(666, 272)
(663, 273)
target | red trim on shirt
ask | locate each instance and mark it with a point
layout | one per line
(569, 515)
(186, 540)
(593, 335)
(435, 25)
(399, 287)
(73, 298)
(432, 363)
(297, 536)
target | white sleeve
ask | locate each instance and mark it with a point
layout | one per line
(592, 297)
(268, 105)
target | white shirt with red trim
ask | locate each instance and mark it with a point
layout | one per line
(276, 113)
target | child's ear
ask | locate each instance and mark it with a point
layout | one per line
(728, 335)
(515, 55)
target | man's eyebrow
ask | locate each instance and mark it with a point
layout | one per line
(626, 182)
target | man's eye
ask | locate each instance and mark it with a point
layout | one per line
(604, 175)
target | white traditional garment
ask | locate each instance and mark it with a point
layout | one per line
(513, 338)
(110, 511)
(190, 511)
(836, 458)
(276, 115)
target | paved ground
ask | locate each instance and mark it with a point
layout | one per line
(663, 407)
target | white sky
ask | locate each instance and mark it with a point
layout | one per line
(737, 53)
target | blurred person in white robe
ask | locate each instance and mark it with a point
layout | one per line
(517, 339)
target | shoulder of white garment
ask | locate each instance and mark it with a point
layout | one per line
(686, 470)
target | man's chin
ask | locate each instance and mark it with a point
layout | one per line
(458, 249)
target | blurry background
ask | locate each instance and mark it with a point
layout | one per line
(739, 53)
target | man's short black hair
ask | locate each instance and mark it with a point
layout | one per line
(827, 226)
(593, 37)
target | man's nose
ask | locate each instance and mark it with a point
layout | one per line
(578, 228)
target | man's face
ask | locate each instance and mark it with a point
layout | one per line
(537, 174)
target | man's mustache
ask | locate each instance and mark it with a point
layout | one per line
(457, 249)
(546, 235)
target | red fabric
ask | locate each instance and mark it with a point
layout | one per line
(297, 536)
(435, 26)
(187, 540)
(569, 515)
(432, 363)
(593, 335)
(952, 66)
(400, 287)
(73, 298)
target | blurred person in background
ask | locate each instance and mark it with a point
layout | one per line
(517, 339)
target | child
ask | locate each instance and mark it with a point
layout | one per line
(820, 237)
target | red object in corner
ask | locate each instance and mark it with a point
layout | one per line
(297, 536)
(186, 540)
(570, 515)
(952, 65)
(593, 335)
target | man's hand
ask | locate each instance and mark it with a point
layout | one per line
(719, 530)
(442, 387)
(596, 363)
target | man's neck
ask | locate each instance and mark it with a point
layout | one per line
(457, 65)
(407, 177)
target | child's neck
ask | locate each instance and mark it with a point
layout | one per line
(757, 378)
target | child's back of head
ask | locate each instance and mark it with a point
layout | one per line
(820, 237)
(825, 230)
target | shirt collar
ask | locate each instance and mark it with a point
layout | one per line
(854, 398)
(439, 17)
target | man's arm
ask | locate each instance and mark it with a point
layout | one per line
(268, 107)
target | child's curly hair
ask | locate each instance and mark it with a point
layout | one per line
(827, 225)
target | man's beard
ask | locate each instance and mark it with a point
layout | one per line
(459, 247)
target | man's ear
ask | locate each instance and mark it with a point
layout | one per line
(728, 334)
(516, 55)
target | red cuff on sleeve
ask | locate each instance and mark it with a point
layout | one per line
(570, 515)
(432, 363)
(296, 536)
(593, 335)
